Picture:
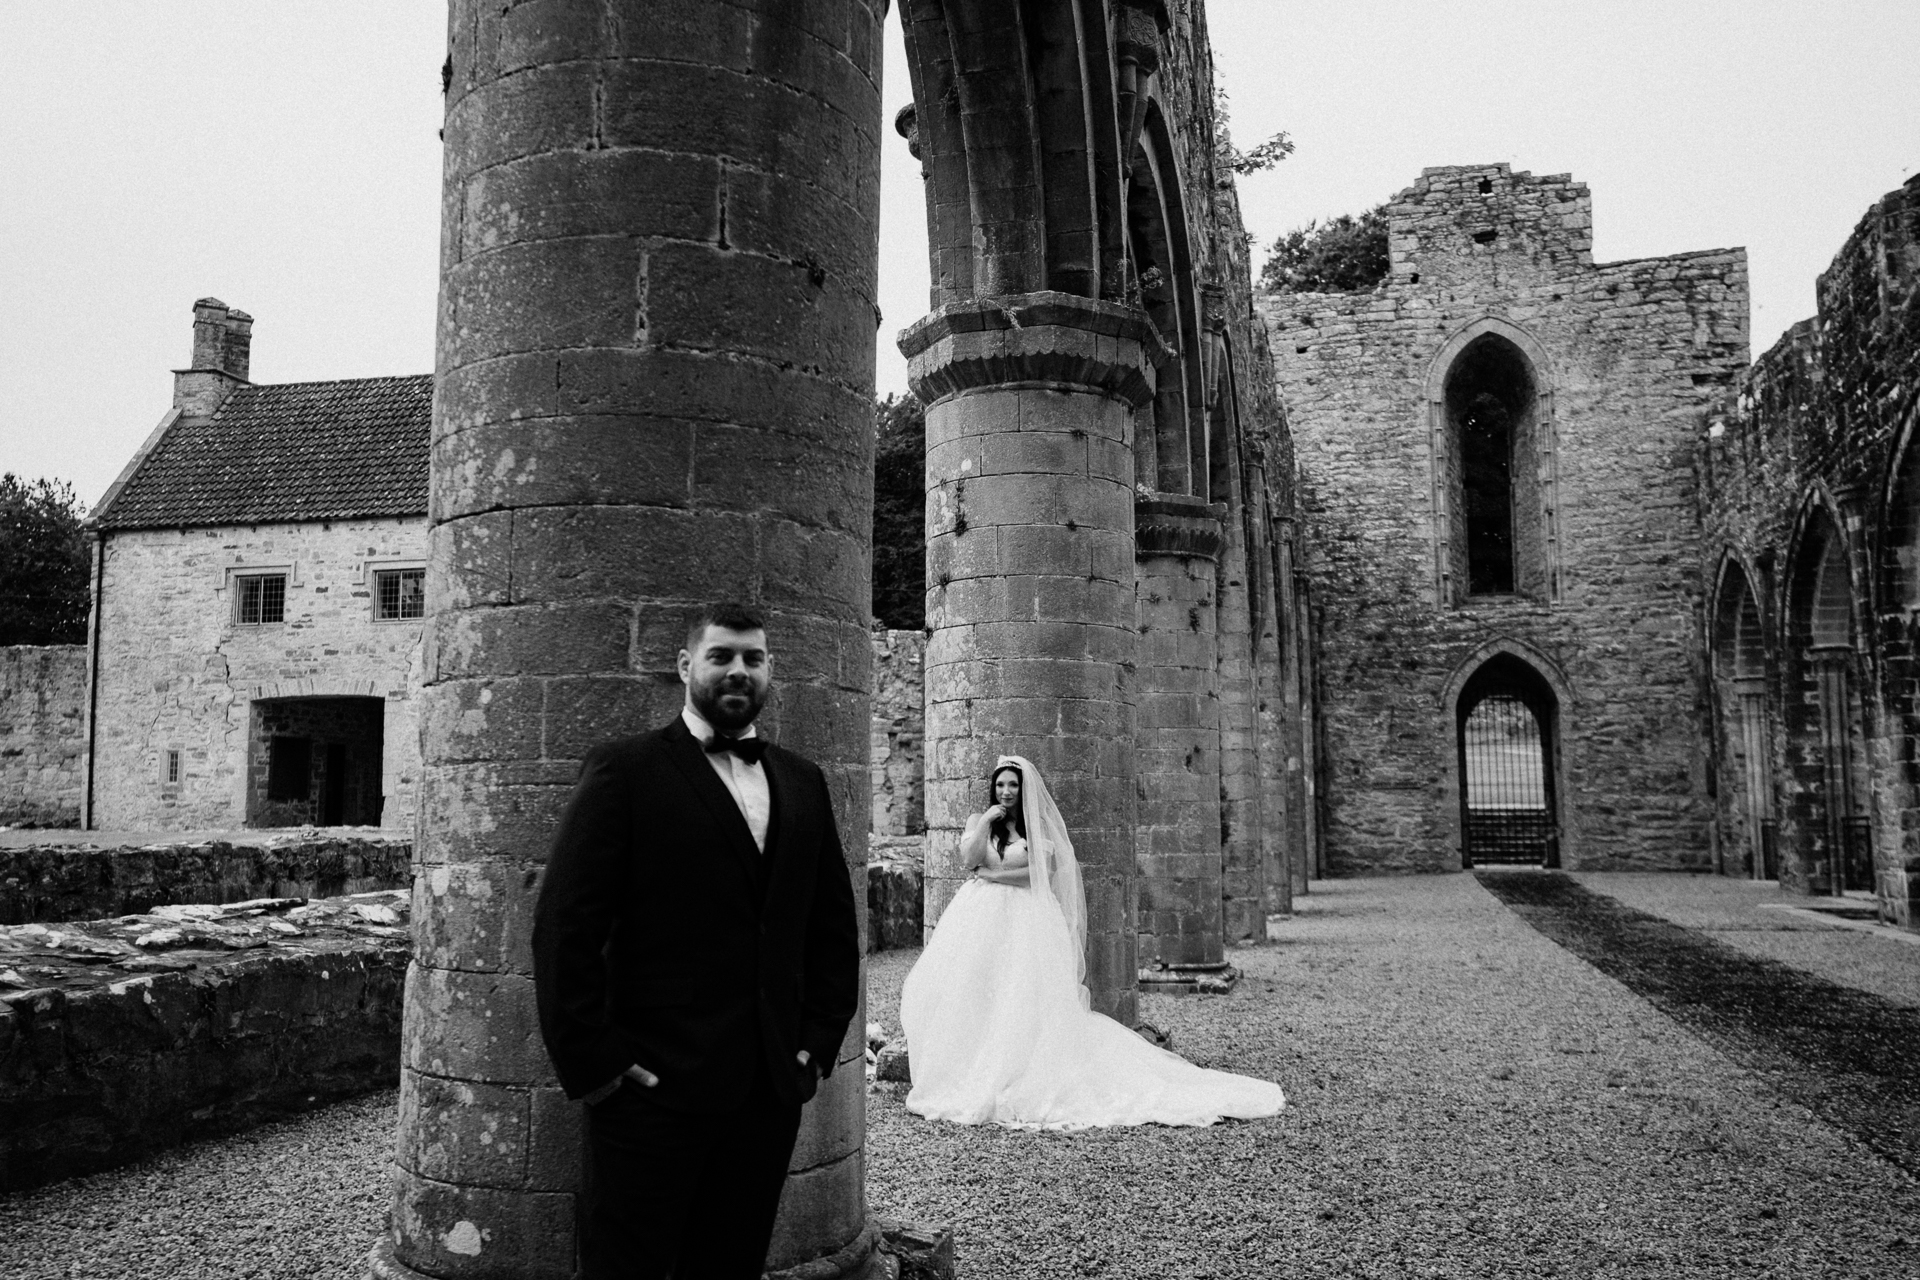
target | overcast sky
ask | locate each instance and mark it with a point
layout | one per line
(284, 157)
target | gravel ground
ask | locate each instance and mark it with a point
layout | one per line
(1746, 915)
(301, 1200)
(1466, 1099)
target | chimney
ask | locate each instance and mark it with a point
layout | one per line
(222, 344)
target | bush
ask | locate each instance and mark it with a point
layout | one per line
(44, 595)
(900, 513)
(1346, 255)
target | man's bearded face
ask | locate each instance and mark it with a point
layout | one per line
(727, 676)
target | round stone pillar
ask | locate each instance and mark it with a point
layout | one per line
(654, 390)
(1030, 565)
(1177, 740)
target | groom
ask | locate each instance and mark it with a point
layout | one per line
(696, 962)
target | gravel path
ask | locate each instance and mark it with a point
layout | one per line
(1752, 916)
(301, 1200)
(1466, 1099)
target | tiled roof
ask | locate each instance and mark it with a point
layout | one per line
(296, 451)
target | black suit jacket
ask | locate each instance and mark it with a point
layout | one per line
(663, 936)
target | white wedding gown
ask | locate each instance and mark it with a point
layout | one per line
(998, 1030)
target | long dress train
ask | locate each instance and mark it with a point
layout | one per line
(998, 1030)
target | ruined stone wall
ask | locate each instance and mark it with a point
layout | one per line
(176, 672)
(899, 732)
(1816, 438)
(1625, 358)
(43, 692)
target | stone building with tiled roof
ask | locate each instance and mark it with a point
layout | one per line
(258, 602)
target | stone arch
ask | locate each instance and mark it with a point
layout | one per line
(1173, 459)
(1740, 662)
(1517, 760)
(1825, 830)
(1489, 394)
(1549, 670)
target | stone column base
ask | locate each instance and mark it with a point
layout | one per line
(1190, 979)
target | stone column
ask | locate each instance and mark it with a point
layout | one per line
(1030, 569)
(655, 382)
(1177, 742)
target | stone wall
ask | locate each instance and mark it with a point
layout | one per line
(1624, 358)
(122, 1037)
(899, 729)
(1814, 445)
(43, 691)
(65, 881)
(176, 673)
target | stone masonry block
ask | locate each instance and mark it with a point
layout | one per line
(805, 481)
(624, 460)
(541, 110)
(474, 720)
(469, 1232)
(578, 553)
(666, 383)
(486, 809)
(818, 1205)
(551, 639)
(475, 916)
(838, 1112)
(709, 299)
(473, 1026)
(495, 297)
(459, 1131)
(573, 194)
(558, 1134)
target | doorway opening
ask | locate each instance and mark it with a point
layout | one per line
(1506, 725)
(315, 762)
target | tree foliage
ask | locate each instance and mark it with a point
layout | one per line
(900, 513)
(1344, 255)
(1263, 157)
(44, 593)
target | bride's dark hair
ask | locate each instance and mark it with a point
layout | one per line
(1002, 829)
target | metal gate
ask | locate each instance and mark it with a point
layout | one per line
(1509, 817)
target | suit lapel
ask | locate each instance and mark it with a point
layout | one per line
(691, 758)
(781, 835)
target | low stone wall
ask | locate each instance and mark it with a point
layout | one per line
(894, 891)
(120, 1037)
(43, 720)
(68, 881)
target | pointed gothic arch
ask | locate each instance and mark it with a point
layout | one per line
(1506, 704)
(1826, 828)
(1741, 677)
(1494, 459)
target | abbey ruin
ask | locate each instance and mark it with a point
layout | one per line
(1514, 558)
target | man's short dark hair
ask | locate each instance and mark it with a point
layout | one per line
(726, 614)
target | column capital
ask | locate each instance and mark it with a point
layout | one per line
(1178, 524)
(1057, 340)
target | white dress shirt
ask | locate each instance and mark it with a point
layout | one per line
(747, 783)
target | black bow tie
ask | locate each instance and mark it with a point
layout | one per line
(748, 749)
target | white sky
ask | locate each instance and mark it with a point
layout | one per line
(284, 157)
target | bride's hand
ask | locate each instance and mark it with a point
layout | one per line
(994, 813)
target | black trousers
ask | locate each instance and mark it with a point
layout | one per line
(690, 1196)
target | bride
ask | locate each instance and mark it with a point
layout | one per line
(996, 1011)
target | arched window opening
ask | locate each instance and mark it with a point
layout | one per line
(1498, 540)
(1753, 833)
(1174, 457)
(1832, 839)
(1505, 727)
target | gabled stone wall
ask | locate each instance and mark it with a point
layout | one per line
(176, 672)
(1626, 358)
(42, 734)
